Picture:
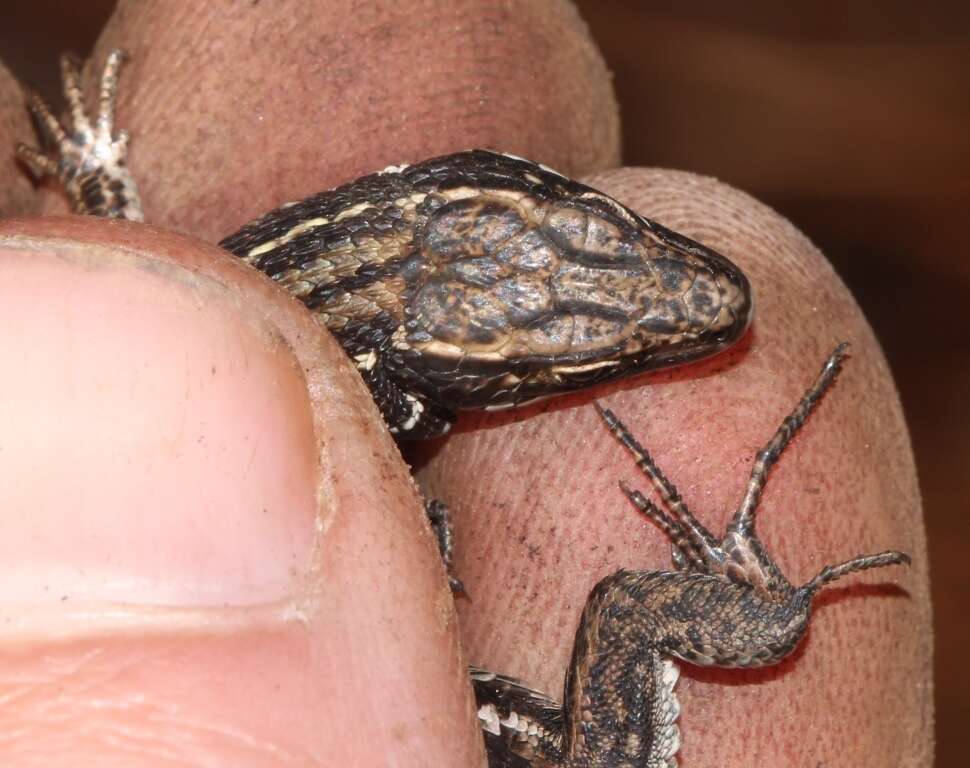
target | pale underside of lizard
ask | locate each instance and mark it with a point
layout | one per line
(481, 280)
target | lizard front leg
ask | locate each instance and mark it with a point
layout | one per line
(89, 159)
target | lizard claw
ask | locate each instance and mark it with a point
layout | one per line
(86, 158)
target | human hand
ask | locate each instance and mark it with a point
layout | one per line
(234, 110)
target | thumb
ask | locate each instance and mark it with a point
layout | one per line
(212, 552)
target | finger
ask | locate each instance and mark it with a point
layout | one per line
(542, 519)
(16, 193)
(236, 109)
(212, 553)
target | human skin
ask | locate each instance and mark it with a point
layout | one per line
(337, 643)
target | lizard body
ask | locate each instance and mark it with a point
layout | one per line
(472, 280)
(482, 280)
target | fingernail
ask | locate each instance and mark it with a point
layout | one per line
(156, 438)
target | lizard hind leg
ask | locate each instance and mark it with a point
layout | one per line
(88, 160)
(740, 556)
(693, 546)
(685, 555)
(744, 518)
(832, 573)
(747, 561)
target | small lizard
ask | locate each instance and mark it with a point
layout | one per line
(482, 280)
(473, 280)
(724, 604)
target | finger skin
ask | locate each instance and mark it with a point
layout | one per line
(17, 196)
(542, 518)
(236, 108)
(314, 627)
(225, 127)
(525, 529)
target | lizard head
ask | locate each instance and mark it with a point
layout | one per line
(530, 284)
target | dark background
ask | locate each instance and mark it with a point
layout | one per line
(851, 120)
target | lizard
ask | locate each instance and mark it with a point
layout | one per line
(475, 280)
(483, 280)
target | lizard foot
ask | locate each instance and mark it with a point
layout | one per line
(89, 160)
(726, 604)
